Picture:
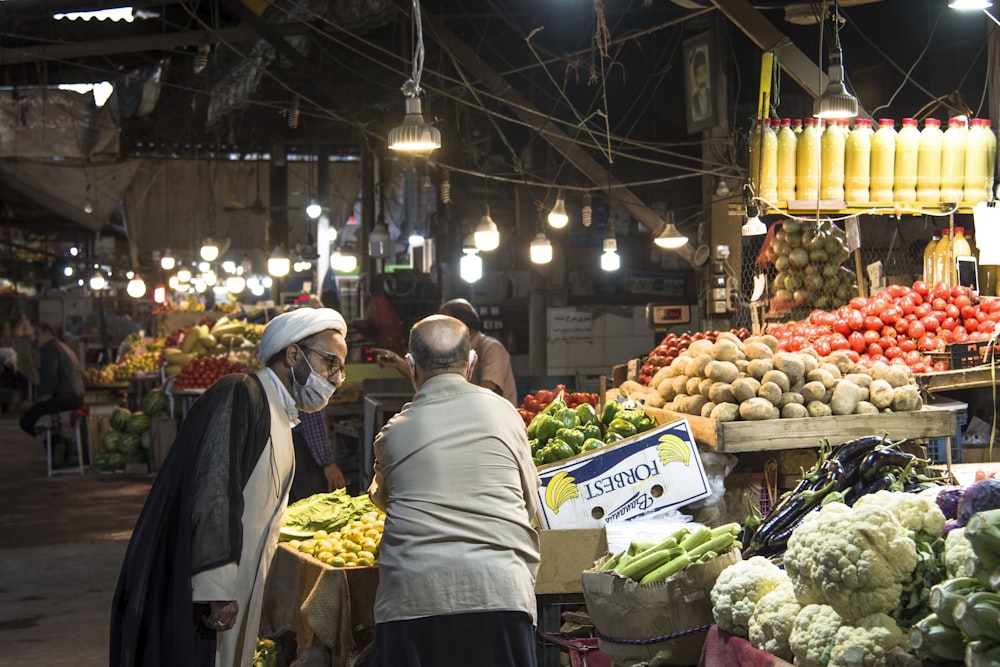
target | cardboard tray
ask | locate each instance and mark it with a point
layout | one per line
(776, 434)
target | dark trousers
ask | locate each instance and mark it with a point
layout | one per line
(309, 478)
(51, 406)
(483, 639)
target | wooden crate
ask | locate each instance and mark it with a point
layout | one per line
(780, 434)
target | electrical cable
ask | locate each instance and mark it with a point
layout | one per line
(906, 76)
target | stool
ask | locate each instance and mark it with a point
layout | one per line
(59, 423)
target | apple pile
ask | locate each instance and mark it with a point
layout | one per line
(898, 325)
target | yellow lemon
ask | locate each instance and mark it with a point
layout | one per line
(369, 516)
(349, 557)
(324, 557)
(365, 562)
(324, 545)
(307, 546)
(373, 533)
(320, 535)
(295, 544)
(366, 555)
(337, 561)
(355, 536)
(368, 544)
(351, 546)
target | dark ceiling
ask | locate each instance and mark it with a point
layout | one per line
(607, 73)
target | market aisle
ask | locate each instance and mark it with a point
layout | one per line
(61, 544)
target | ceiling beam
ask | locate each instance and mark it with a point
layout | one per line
(161, 42)
(764, 34)
(522, 107)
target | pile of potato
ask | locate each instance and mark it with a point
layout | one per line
(732, 379)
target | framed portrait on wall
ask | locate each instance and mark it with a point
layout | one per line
(699, 82)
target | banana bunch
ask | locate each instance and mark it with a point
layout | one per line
(560, 489)
(671, 448)
(200, 340)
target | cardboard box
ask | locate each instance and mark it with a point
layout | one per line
(641, 476)
(679, 608)
(565, 555)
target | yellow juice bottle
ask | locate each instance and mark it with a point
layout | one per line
(769, 164)
(929, 162)
(942, 260)
(904, 179)
(929, 256)
(807, 156)
(976, 158)
(953, 160)
(832, 148)
(787, 141)
(857, 161)
(883, 161)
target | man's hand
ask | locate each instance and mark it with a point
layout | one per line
(388, 358)
(334, 477)
(222, 616)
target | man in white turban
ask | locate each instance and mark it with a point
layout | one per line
(192, 582)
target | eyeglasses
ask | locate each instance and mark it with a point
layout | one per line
(333, 363)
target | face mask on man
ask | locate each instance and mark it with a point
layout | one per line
(315, 393)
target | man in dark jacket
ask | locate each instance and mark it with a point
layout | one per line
(60, 385)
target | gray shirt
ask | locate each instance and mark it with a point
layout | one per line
(60, 373)
(458, 485)
(494, 365)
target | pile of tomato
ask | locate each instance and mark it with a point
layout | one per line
(202, 372)
(673, 345)
(535, 403)
(899, 324)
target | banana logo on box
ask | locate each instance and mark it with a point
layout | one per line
(560, 488)
(672, 448)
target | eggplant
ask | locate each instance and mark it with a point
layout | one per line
(863, 488)
(848, 451)
(873, 462)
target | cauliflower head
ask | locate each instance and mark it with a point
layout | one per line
(813, 634)
(864, 643)
(957, 550)
(738, 589)
(916, 511)
(856, 558)
(772, 621)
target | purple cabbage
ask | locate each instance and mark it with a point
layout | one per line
(949, 525)
(978, 497)
(947, 501)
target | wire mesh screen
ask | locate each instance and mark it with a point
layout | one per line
(806, 264)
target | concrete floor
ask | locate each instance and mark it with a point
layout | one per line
(62, 540)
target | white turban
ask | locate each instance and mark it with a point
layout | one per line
(293, 326)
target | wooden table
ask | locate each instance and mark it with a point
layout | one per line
(963, 378)
(778, 434)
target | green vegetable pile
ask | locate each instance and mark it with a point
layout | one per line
(656, 561)
(964, 623)
(323, 511)
(558, 432)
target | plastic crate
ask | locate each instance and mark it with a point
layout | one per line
(936, 451)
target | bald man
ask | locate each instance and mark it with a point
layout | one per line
(459, 556)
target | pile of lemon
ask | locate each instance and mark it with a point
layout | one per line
(354, 545)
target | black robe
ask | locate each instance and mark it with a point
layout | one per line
(191, 522)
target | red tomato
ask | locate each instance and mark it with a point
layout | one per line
(841, 326)
(927, 344)
(906, 304)
(994, 305)
(939, 366)
(946, 334)
(858, 303)
(893, 352)
(891, 314)
(886, 342)
(923, 310)
(952, 310)
(987, 326)
(960, 337)
(919, 368)
(871, 336)
(896, 291)
(856, 321)
(839, 342)
(963, 300)
(857, 341)
(875, 306)
(901, 325)
(930, 323)
(921, 288)
(873, 322)
(911, 357)
(852, 355)
(949, 323)
(874, 350)
(916, 329)
(907, 344)
(938, 303)
(971, 324)
(822, 347)
(968, 311)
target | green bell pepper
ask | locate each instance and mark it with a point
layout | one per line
(568, 417)
(592, 431)
(571, 436)
(625, 428)
(539, 461)
(561, 450)
(535, 445)
(612, 437)
(591, 444)
(533, 425)
(586, 413)
(554, 407)
(547, 428)
(644, 424)
(632, 416)
(611, 409)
